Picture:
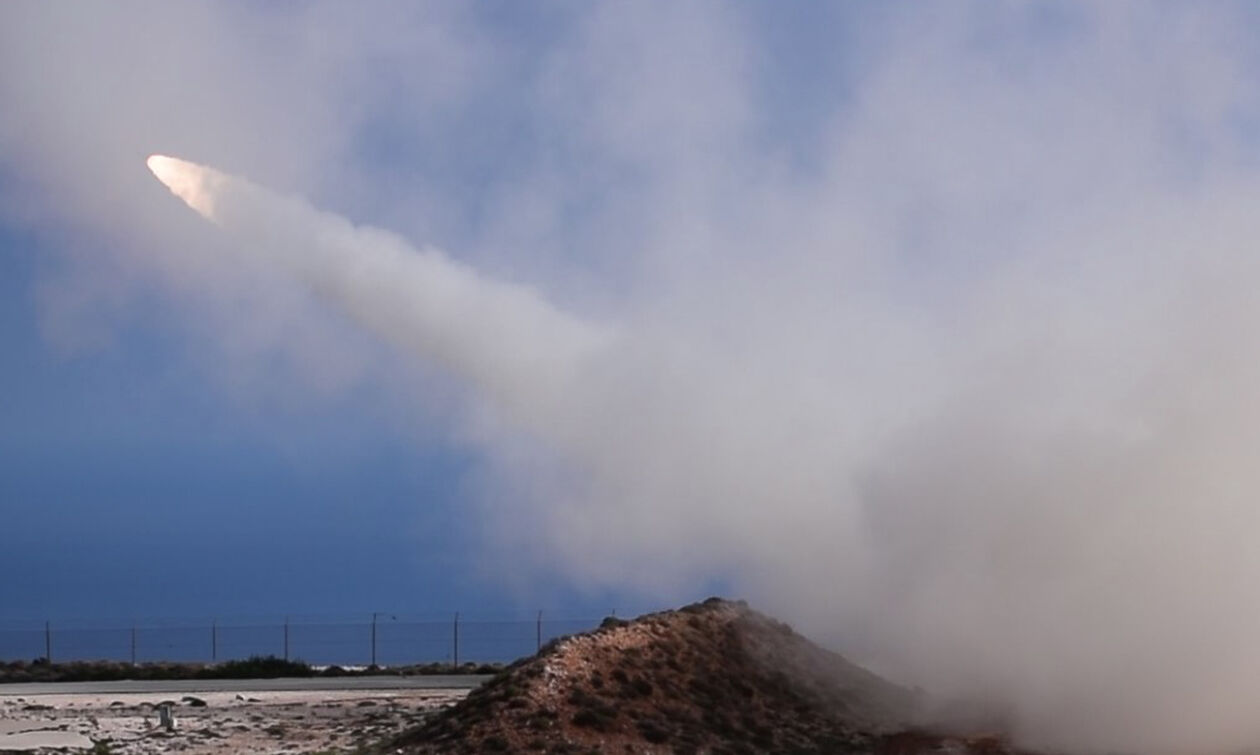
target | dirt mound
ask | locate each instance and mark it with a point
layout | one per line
(710, 677)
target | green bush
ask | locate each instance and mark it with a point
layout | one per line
(257, 667)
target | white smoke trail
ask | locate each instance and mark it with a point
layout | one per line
(1054, 513)
(937, 327)
(504, 338)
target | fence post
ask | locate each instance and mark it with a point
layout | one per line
(456, 663)
(48, 641)
(214, 640)
(286, 638)
(538, 634)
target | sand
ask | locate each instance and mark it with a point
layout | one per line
(228, 722)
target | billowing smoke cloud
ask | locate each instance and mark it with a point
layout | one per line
(1047, 505)
(939, 346)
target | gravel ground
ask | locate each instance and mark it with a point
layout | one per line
(213, 722)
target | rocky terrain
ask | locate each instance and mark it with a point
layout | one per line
(215, 722)
(714, 677)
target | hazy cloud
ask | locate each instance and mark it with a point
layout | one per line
(951, 369)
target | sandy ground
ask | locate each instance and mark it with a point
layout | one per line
(228, 722)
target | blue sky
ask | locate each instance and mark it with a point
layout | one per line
(922, 327)
(134, 484)
(133, 489)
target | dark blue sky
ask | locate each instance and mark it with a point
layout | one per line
(133, 487)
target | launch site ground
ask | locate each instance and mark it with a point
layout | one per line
(219, 716)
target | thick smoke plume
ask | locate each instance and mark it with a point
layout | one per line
(929, 330)
(504, 338)
(1046, 504)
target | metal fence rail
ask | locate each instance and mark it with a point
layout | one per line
(382, 639)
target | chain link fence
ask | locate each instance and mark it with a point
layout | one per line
(382, 639)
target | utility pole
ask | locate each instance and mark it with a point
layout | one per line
(48, 641)
(214, 640)
(456, 664)
(133, 644)
(286, 638)
(373, 638)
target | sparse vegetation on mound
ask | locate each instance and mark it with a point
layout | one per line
(711, 677)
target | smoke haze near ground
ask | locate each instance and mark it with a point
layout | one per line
(956, 374)
(1064, 526)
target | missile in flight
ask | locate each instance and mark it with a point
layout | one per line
(504, 337)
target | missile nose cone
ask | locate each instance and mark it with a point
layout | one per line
(171, 170)
(160, 165)
(193, 183)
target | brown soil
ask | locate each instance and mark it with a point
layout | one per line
(714, 677)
